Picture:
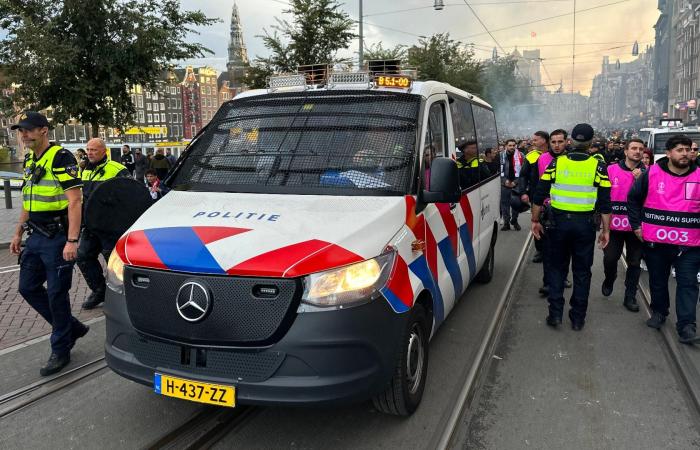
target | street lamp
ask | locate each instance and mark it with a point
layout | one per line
(439, 5)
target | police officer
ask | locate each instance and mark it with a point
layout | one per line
(557, 147)
(664, 212)
(529, 177)
(577, 184)
(596, 152)
(471, 170)
(98, 170)
(622, 176)
(51, 213)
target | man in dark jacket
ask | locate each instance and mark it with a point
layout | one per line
(160, 164)
(127, 159)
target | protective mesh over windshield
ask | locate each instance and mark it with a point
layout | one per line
(317, 140)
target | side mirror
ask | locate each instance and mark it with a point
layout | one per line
(444, 182)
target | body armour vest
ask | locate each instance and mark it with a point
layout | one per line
(622, 181)
(671, 213)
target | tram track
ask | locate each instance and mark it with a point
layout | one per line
(687, 371)
(31, 393)
(447, 435)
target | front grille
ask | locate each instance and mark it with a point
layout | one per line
(238, 315)
(239, 365)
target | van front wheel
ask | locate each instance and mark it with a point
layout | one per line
(405, 391)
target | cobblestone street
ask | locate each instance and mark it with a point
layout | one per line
(18, 321)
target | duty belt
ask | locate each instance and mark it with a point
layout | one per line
(48, 229)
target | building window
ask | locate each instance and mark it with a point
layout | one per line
(141, 116)
(150, 118)
(155, 107)
(155, 96)
(178, 89)
(162, 106)
(139, 102)
(148, 106)
(162, 117)
(148, 94)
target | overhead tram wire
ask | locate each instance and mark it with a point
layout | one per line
(418, 8)
(573, 52)
(543, 19)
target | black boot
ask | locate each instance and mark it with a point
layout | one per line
(631, 304)
(55, 364)
(79, 330)
(505, 227)
(687, 335)
(94, 299)
(607, 287)
(537, 258)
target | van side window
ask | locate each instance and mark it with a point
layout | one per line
(486, 132)
(462, 121)
(487, 136)
(435, 140)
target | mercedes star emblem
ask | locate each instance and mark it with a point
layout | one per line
(192, 301)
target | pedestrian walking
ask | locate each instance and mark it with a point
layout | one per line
(170, 157)
(622, 176)
(664, 212)
(98, 170)
(511, 165)
(140, 165)
(51, 214)
(577, 184)
(127, 159)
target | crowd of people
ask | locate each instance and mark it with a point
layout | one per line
(580, 185)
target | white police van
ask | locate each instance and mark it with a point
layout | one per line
(315, 238)
(669, 128)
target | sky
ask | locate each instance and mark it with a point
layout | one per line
(603, 28)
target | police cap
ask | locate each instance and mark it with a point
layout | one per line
(582, 133)
(29, 120)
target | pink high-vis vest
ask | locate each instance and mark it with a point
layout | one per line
(543, 162)
(671, 212)
(622, 181)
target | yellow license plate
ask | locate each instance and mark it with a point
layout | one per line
(194, 391)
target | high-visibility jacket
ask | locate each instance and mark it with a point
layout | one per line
(532, 156)
(599, 156)
(575, 186)
(474, 162)
(44, 193)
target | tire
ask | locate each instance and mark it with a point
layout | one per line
(405, 390)
(486, 273)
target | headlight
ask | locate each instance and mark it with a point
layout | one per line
(115, 272)
(347, 286)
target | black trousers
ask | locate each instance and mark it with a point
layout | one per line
(571, 240)
(89, 250)
(633, 255)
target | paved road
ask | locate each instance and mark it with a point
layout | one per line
(110, 412)
(608, 386)
(18, 321)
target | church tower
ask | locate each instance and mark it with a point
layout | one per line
(237, 54)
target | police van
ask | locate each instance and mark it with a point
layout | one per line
(669, 128)
(316, 237)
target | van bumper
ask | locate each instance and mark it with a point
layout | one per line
(328, 357)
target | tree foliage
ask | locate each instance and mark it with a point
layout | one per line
(377, 51)
(256, 76)
(503, 85)
(82, 56)
(441, 58)
(317, 30)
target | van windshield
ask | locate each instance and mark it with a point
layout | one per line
(661, 138)
(312, 142)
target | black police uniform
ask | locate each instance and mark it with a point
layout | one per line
(91, 245)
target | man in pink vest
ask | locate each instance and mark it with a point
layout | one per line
(622, 176)
(664, 212)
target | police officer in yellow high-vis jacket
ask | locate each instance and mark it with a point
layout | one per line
(51, 213)
(98, 170)
(578, 186)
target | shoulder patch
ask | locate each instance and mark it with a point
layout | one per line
(72, 170)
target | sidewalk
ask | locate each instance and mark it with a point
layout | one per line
(608, 386)
(9, 217)
(18, 321)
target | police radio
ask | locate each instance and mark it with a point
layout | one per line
(37, 174)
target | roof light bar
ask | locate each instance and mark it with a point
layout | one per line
(294, 80)
(350, 78)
